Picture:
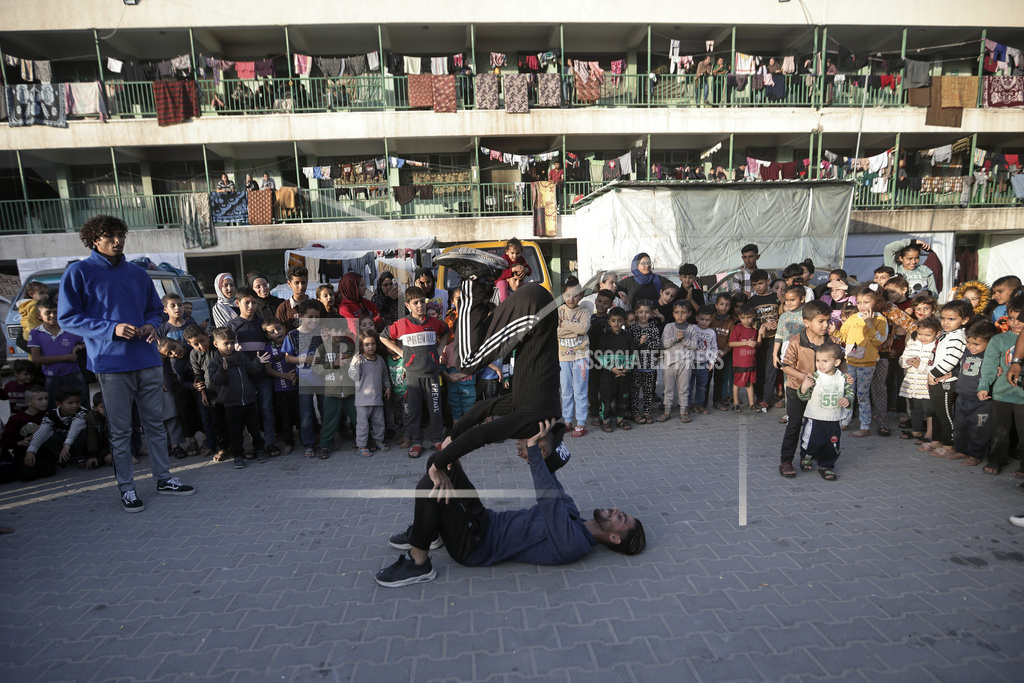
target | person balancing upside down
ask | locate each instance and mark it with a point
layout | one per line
(447, 507)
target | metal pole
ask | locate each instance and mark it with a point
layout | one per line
(970, 162)
(860, 126)
(287, 51)
(478, 195)
(821, 67)
(206, 170)
(648, 85)
(813, 89)
(895, 171)
(380, 58)
(732, 65)
(387, 168)
(821, 153)
(647, 157)
(903, 56)
(298, 174)
(731, 138)
(981, 64)
(565, 167)
(24, 187)
(472, 46)
(99, 58)
(117, 183)
(810, 157)
(192, 50)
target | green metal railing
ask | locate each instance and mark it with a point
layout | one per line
(377, 202)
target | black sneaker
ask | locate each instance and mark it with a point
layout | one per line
(239, 463)
(261, 456)
(405, 572)
(401, 541)
(131, 503)
(472, 263)
(173, 487)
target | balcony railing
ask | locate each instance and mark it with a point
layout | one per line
(374, 92)
(378, 202)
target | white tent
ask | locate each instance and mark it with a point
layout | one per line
(368, 256)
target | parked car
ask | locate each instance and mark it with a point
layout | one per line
(531, 252)
(165, 281)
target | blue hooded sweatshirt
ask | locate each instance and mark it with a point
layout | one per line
(95, 297)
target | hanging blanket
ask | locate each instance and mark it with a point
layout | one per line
(517, 93)
(545, 208)
(549, 90)
(444, 94)
(959, 91)
(37, 105)
(421, 91)
(176, 101)
(486, 91)
(261, 207)
(229, 207)
(936, 114)
(197, 231)
(87, 99)
(1017, 181)
(1003, 91)
(587, 90)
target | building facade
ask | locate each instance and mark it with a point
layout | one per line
(411, 119)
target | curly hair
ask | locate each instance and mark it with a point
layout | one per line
(101, 226)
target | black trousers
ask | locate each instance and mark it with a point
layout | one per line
(615, 390)
(286, 410)
(48, 457)
(1005, 417)
(942, 413)
(972, 428)
(526, 322)
(764, 384)
(462, 522)
(594, 391)
(795, 414)
(920, 409)
(820, 440)
(239, 418)
(420, 393)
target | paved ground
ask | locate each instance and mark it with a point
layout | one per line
(905, 569)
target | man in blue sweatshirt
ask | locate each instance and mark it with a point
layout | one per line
(549, 533)
(113, 304)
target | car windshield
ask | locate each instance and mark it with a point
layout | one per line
(451, 279)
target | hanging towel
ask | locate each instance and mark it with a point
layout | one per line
(878, 162)
(307, 171)
(959, 91)
(918, 75)
(880, 185)
(36, 105)
(113, 65)
(438, 66)
(373, 61)
(788, 65)
(545, 208)
(625, 164)
(26, 71)
(498, 59)
(182, 62)
(404, 194)
(942, 155)
(325, 172)
(549, 90)
(744, 64)
(331, 67)
(486, 91)
(246, 70)
(425, 191)
(356, 65)
(1017, 181)
(176, 101)
(318, 172)
(789, 170)
(444, 95)
(265, 68)
(197, 231)
(412, 65)
(421, 91)
(303, 64)
(87, 99)
(753, 168)
(517, 96)
(42, 69)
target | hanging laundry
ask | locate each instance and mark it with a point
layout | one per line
(498, 60)
(325, 172)
(617, 66)
(959, 91)
(753, 168)
(506, 158)
(444, 94)
(880, 185)
(421, 91)
(246, 70)
(373, 61)
(549, 90)
(36, 105)
(318, 172)
(331, 67)
(1003, 91)
(942, 155)
(486, 91)
(438, 66)
(404, 194)
(611, 170)
(197, 230)
(744, 64)
(182, 62)
(495, 155)
(878, 162)
(673, 55)
(87, 99)
(261, 207)
(229, 207)
(356, 65)
(979, 157)
(176, 101)
(303, 64)
(307, 171)
(27, 74)
(413, 65)
(625, 164)
(265, 68)
(458, 59)
(113, 65)
(517, 95)
(918, 74)
(42, 69)
(789, 65)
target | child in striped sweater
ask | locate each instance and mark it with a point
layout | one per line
(948, 352)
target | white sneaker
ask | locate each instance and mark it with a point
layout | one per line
(1017, 520)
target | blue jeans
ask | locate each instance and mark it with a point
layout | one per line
(862, 385)
(307, 419)
(699, 386)
(265, 397)
(144, 388)
(573, 375)
(74, 380)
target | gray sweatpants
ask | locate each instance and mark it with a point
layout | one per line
(367, 418)
(145, 388)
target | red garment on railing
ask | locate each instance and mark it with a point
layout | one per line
(176, 101)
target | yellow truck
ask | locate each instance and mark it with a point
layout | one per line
(531, 252)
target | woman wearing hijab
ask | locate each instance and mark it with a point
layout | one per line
(352, 305)
(643, 283)
(250, 184)
(385, 298)
(267, 303)
(225, 309)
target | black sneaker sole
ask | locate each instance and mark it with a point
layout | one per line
(176, 492)
(406, 546)
(422, 578)
(139, 508)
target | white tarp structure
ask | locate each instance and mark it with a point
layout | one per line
(1005, 254)
(864, 254)
(708, 224)
(27, 266)
(368, 256)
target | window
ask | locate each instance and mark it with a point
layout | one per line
(189, 290)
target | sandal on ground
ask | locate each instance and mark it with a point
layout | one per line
(179, 452)
(970, 461)
(955, 456)
(308, 453)
(192, 449)
(939, 452)
(786, 470)
(700, 410)
(324, 454)
(220, 456)
(827, 474)
(736, 408)
(807, 464)
(905, 423)
(607, 427)
(623, 425)
(722, 406)
(665, 417)
(649, 418)
(1019, 474)
(641, 420)
(781, 404)
(595, 422)
(365, 453)
(909, 435)
(925, 447)
(206, 452)
(994, 470)
(884, 431)
(685, 418)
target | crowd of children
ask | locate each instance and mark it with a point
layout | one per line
(838, 358)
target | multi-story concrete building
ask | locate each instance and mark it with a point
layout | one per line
(302, 96)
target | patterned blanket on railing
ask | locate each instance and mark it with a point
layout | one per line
(444, 94)
(937, 185)
(197, 231)
(517, 93)
(37, 105)
(261, 207)
(421, 91)
(229, 207)
(549, 90)
(1003, 91)
(445, 183)
(176, 101)
(486, 91)
(545, 208)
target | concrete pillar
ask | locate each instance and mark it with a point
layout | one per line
(64, 190)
